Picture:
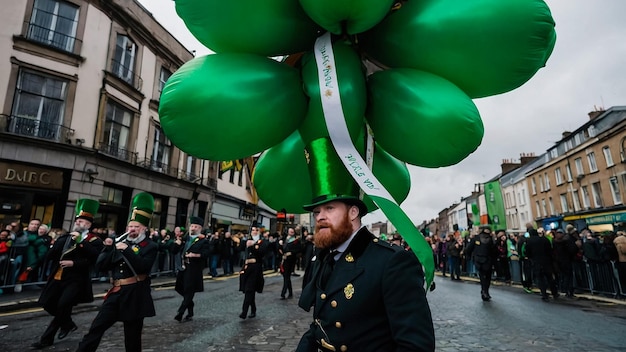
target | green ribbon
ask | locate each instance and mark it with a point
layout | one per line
(354, 163)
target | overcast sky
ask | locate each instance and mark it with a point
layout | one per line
(587, 70)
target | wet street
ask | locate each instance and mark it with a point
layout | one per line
(512, 321)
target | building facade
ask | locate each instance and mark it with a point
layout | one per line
(584, 179)
(80, 97)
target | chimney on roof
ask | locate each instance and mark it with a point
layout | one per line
(595, 113)
(509, 165)
(526, 158)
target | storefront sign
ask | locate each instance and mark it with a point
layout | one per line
(606, 219)
(30, 176)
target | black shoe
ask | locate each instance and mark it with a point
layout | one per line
(252, 315)
(290, 296)
(178, 317)
(556, 295)
(242, 315)
(295, 274)
(188, 318)
(485, 297)
(39, 345)
(63, 332)
(282, 297)
(545, 298)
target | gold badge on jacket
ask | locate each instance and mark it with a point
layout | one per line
(348, 291)
(349, 258)
(477, 243)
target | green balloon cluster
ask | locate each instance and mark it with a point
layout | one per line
(410, 69)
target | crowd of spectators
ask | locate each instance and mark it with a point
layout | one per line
(582, 258)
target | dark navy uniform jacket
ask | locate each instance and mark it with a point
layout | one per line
(373, 301)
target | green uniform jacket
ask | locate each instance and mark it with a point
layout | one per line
(374, 301)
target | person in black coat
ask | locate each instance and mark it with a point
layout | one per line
(130, 261)
(251, 278)
(194, 249)
(483, 252)
(366, 294)
(564, 253)
(72, 257)
(539, 251)
(289, 250)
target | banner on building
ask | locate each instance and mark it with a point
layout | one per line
(495, 205)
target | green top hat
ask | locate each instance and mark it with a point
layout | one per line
(196, 220)
(86, 209)
(329, 179)
(142, 207)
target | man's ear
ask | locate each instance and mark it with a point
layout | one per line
(353, 212)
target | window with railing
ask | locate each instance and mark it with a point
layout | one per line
(161, 150)
(123, 63)
(54, 23)
(117, 131)
(39, 105)
(163, 77)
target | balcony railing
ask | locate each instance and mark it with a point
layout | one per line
(46, 36)
(118, 153)
(159, 166)
(126, 74)
(31, 127)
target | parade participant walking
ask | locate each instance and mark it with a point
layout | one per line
(72, 257)
(366, 294)
(289, 250)
(483, 252)
(130, 261)
(539, 251)
(251, 277)
(195, 250)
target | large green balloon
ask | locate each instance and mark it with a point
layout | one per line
(281, 176)
(267, 27)
(351, 79)
(421, 118)
(229, 106)
(357, 15)
(485, 47)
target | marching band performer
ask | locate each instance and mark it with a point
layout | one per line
(130, 259)
(72, 257)
(195, 251)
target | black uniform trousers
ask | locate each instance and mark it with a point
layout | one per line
(63, 314)
(288, 265)
(187, 304)
(108, 316)
(249, 302)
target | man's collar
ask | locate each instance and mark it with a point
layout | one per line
(342, 247)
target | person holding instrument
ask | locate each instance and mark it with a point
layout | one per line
(72, 257)
(195, 251)
(130, 259)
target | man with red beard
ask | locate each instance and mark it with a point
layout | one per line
(367, 294)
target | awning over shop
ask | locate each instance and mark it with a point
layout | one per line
(606, 218)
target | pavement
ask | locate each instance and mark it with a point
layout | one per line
(27, 299)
